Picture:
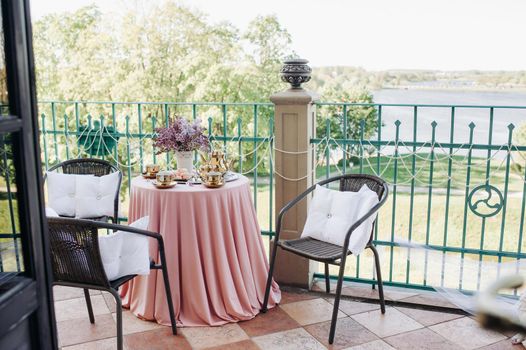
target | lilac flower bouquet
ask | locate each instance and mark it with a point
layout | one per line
(181, 136)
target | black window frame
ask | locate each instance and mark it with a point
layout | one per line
(26, 307)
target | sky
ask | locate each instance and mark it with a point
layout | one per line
(375, 34)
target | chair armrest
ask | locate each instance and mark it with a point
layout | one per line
(117, 227)
(287, 206)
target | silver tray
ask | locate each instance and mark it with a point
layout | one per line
(231, 176)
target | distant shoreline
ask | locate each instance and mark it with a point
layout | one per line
(521, 89)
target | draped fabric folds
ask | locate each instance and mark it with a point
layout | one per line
(216, 259)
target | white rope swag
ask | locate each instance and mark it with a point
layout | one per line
(399, 151)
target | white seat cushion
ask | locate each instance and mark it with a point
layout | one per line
(95, 196)
(50, 212)
(126, 253)
(332, 213)
(61, 192)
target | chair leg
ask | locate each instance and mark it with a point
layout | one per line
(118, 311)
(379, 278)
(327, 279)
(88, 304)
(169, 299)
(269, 278)
(337, 296)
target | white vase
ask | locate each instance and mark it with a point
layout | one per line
(185, 160)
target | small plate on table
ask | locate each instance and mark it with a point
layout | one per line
(162, 187)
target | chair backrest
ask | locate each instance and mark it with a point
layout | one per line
(85, 166)
(353, 183)
(75, 255)
(91, 166)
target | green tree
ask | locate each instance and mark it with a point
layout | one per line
(358, 122)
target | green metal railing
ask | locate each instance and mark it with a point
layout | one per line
(243, 130)
(441, 162)
(456, 175)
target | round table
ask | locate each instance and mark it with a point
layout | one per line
(216, 259)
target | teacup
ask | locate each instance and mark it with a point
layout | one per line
(214, 178)
(164, 177)
(152, 169)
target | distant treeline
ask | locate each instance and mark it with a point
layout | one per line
(372, 80)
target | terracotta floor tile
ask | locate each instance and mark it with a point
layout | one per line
(103, 344)
(503, 345)
(81, 330)
(421, 339)
(361, 292)
(467, 333)
(133, 324)
(157, 339)
(350, 307)
(110, 301)
(293, 339)
(290, 297)
(374, 345)
(274, 320)
(76, 308)
(64, 293)
(391, 323)
(397, 294)
(426, 317)
(310, 311)
(319, 286)
(429, 299)
(240, 345)
(205, 337)
(370, 293)
(348, 333)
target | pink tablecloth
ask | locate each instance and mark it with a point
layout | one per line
(215, 255)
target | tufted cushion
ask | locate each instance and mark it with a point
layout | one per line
(61, 192)
(95, 195)
(125, 253)
(332, 213)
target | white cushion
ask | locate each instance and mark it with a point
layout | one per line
(95, 196)
(61, 192)
(50, 212)
(126, 253)
(332, 213)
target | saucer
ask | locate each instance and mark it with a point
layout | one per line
(209, 185)
(160, 186)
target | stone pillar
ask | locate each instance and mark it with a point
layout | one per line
(295, 125)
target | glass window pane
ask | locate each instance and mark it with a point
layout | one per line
(11, 259)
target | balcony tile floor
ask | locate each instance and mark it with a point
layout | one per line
(302, 321)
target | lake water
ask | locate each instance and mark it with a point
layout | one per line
(503, 117)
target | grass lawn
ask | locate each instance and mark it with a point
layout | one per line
(440, 171)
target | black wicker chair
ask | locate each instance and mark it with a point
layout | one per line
(328, 253)
(92, 166)
(76, 262)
